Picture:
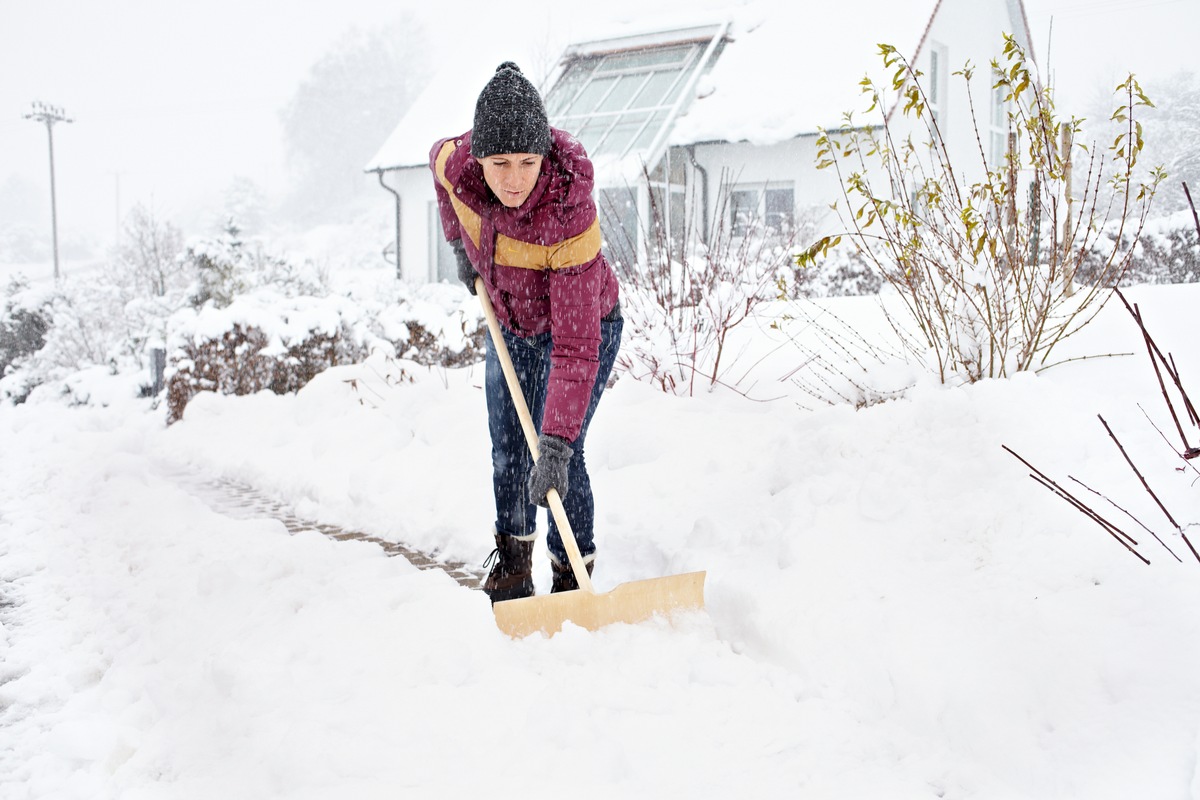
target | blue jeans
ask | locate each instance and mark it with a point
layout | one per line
(515, 515)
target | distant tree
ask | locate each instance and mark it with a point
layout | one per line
(341, 114)
(1171, 137)
(148, 255)
(246, 202)
(219, 267)
(1169, 131)
(229, 265)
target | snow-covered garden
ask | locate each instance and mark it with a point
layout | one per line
(894, 608)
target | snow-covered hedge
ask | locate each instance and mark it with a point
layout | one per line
(261, 341)
(24, 320)
(1168, 251)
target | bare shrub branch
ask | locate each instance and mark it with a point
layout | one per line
(986, 285)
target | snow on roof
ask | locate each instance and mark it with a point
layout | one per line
(797, 69)
(788, 67)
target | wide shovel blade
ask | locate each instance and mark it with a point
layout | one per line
(635, 601)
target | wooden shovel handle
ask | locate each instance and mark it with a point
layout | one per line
(531, 437)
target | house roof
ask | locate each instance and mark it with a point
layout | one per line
(447, 105)
(788, 68)
(796, 68)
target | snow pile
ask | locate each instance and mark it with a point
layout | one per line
(894, 608)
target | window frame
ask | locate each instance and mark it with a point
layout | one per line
(937, 84)
(759, 212)
(636, 120)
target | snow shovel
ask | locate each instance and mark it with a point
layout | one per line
(630, 602)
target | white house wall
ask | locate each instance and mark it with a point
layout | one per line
(962, 31)
(792, 162)
(415, 186)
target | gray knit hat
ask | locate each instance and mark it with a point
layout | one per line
(509, 116)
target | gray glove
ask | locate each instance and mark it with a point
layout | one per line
(466, 270)
(550, 470)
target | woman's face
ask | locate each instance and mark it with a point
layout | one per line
(511, 176)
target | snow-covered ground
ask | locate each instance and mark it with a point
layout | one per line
(895, 610)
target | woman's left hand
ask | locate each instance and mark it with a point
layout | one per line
(550, 470)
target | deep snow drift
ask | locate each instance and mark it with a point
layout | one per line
(894, 608)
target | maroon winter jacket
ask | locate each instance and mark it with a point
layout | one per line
(541, 262)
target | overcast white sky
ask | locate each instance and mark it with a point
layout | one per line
(174, 99)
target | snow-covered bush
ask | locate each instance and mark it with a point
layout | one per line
(1168, 251)
(24, 321)
(987, 281)
(837, 273)
(434, 325)
(261, 341)
(107, 318)
(85, 325)
(224, 267)
(232, 313)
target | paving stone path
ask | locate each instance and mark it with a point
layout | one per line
(241, 501)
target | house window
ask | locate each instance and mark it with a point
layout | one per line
(618, 103)
(779, 210)
(445, 263)
(619, 227)
(935, 88)
(999, 126)
(773, 208)
(743, 210)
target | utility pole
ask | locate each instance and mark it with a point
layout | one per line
(48, 115)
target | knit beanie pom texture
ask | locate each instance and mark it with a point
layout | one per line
(509, 116)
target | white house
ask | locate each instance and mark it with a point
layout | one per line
(711, 119)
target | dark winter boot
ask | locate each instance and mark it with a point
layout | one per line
(564, 578)
(512, 568)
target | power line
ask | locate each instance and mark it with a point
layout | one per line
(49, 115)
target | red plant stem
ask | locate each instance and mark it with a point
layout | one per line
(1169, 363)
(1162, 387)
(1174, 372)
(1142, 478)
(1088, 512)
(1196, 217)
(1111, 529)
(1131, 516)
(1188, 542)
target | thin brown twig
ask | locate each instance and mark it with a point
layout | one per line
(1112, 531)
(1168, 363)
(1081, 358)
(1187, 403)
(1145, 484)
(1079, 505)
(1128, 514)
(1151, 348)
(1195, 217)
(1186, 459)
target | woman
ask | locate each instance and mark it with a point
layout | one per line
(515, 197)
